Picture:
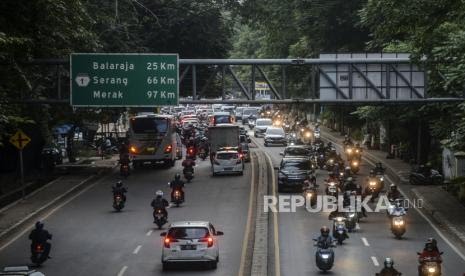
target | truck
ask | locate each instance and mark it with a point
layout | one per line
(223, 135)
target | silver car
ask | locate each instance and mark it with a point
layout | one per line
(260, 127)
(190, 241)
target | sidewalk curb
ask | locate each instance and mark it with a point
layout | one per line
(438, 217)
(20, 223)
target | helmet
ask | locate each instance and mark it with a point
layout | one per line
(372, 172)
(159, 193)
(324, 231)
(393, 187)
(388, 263)
(39, 225)
(329, 144)
(119, 184)
(432, 241)
(429, 246)
(177, 176)
(398, 203)
(204, 139)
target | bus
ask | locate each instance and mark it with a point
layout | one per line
(152, 139)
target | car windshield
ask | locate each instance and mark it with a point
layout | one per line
(275, 131)
(227, 155)
(188, 232)
(264, 123)
(250, 112)
(296, 165)
(296, 151)
(149, 125)
(222, 119)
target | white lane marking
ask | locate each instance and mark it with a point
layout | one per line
(123, 269)
(137, 249)
(277, 263)
(375, 261)
(52, 211)
(252, 197)
(443, 237)
(365, 241)
(149, 233)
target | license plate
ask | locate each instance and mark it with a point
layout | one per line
(188, 247)
(228, 169)
(150, 149)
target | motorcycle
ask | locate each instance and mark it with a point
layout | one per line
(355, 166)
(177, 198)
(188, 174)
(321, 161)
(374, 188)
(310, 195)
(190, 153)
(332, 189)
(339, 229)
(203, 154)
(417, 177)
(324, 257)
(124, 170)
(118, 202)
(398, 226)
(39, 253)
(351, 221)
(159, 217)
(430, 267)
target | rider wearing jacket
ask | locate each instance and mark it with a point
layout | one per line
(188, 165)
(324, 240)
(119, 189)
(40, 236)
(393, 193)
(389, 269)
(160, 203)
(177, 184)
(430, 252)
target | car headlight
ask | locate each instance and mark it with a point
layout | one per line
(372, 183)
(381, 178)
(431, 269)
(325, 256)
(351, 215)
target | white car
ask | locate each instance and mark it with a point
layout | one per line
(228, 162)
(190, 241)
(275, 135)
(260, 127)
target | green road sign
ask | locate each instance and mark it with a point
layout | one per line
(124, 79)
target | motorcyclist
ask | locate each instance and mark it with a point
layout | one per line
(350, 185)
(347, 141)
(118, 188)
(430, 252)
(40, 236)
(379, 168)
(177, 184)
(329, 146)
(204, 145)
(393, 193)
(188, 165)
(324, 240)
(388, 269)
(160, 203)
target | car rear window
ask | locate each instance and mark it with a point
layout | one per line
(227, 155)
(296, 151)
(264, 122)
(275, 131)
(296, 165)
(188, 232)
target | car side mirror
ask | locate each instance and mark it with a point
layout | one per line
(276, 168)
(418, 253)
(281, 153)
(162, 234)
(440, 253)
(219, 233)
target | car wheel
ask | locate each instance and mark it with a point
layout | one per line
(265, 144)
(213, 265)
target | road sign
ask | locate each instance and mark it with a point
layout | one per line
(107, 80)
(20, 139)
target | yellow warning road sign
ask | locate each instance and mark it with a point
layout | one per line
(20, 139)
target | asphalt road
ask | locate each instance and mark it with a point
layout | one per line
(364, 252)
(89, 238)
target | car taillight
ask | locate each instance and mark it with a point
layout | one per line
(191, 150)
(168, 241)
(208, 240)
(168, 148)
(133, 149)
